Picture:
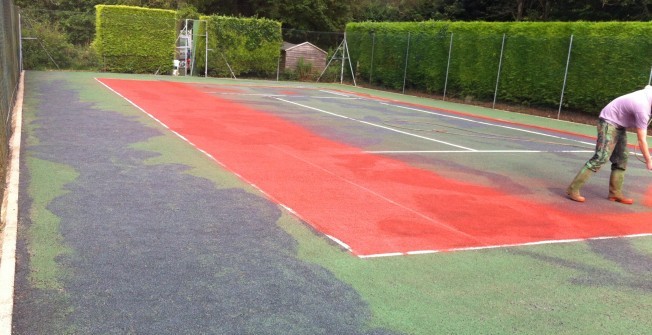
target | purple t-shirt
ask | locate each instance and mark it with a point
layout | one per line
(630, 110)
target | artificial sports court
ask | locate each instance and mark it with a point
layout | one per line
(383, 177)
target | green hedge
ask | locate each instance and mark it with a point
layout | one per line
(607, 59)
(134, 39)
(250, 46)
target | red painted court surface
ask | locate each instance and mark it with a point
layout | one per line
(370, 203)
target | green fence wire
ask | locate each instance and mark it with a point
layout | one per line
(10, 68)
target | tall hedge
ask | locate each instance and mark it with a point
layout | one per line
(607, 59)
(248, 45)
(134, 39)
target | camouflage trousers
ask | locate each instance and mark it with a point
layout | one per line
(611, 145)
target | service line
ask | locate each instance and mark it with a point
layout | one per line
(487, 123)
(375, 124)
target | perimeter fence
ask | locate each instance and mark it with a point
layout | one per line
(501, 68)
(10, 69)
(484, 68)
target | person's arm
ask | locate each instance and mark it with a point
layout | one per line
(641, 133)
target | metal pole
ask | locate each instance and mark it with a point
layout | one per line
(500, 65)
(407, 54)
(342, 68)
(185, 56)
(649, 81)
(206, 51)
(570, 47)
(373, 48)
(450, 49)
(330, 60)
(20, 43)
(348, 56)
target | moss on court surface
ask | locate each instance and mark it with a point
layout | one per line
(593, 287)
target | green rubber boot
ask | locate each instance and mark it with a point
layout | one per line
(616, 181)
(573, 189)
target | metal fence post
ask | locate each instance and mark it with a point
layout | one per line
(570, 48)
(500, 65)
(407, 54)
(650, 80)
(206, 51)
(373, 48)
(450, 49)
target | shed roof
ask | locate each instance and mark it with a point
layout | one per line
(287, 46)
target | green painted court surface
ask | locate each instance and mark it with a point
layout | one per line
(145, 234)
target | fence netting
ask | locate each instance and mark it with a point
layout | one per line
(9, 75)
(477, 68)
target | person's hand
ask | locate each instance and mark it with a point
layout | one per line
(649, 165)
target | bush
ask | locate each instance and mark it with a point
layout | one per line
(50, 49)
(250, 46)
(134, 39)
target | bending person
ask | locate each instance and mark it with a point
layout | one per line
(628, 111)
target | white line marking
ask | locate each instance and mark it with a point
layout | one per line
(375, 125)
(423, 252)
(268, 196)
(473, 152)
(391, 254)
(267, 95)
(10, 215)
(338, 241)
(488, 123)
(436, 222)
(335, 93)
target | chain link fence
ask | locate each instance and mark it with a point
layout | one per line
(498, 68)
(10, 69)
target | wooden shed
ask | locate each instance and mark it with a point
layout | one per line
(291, 53)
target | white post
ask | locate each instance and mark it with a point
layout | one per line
(500, 64)
(407, 54)
(570, 47)
(450, 49)
(206, 51)
(20, 43)
(343, 59)
(649, 81)
(348, 56)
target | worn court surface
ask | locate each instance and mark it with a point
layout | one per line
(374, 204)
(125, 228)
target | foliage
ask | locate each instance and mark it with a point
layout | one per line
(249, 46)
(134, 39)
(51, 49)
(533, 62)
(320, 15)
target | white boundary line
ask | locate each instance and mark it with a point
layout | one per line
(288, 209)
(10, 215)
(487, 123)
(340, 97)
(374, 124)
(473, 152)
(376, 194)
(424, 252)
